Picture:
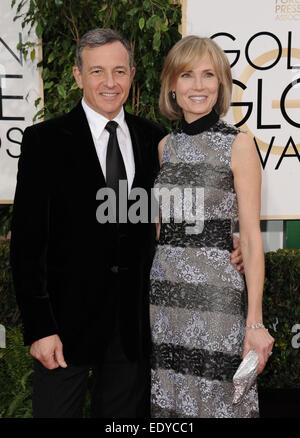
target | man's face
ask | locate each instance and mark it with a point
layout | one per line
(105, 78)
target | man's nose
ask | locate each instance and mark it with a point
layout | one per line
(110, 79)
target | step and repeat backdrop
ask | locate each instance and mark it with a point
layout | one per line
(20, 87)
(262, 42)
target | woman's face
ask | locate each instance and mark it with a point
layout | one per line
(197, 89)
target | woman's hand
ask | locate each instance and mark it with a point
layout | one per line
(236, 257)
(262, 342)
(157, 231)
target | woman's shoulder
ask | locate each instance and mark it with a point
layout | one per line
(161, 147)
(233, 136)
(163, 141)
(244, 149)
(226, 128)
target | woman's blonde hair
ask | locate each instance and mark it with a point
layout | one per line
(185, 53)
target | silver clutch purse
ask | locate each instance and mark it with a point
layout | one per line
(245, 376)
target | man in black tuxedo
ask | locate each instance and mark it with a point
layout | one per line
(82, 285)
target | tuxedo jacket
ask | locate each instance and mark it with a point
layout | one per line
(62, 257)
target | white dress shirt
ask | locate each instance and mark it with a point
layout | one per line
(97, 124)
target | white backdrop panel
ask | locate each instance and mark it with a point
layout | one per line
(20, 86)
(262, 42)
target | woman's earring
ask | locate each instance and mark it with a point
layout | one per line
(173, 95)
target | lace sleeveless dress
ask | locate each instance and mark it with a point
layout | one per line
(197, 298)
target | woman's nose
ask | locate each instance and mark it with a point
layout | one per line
(198, 82)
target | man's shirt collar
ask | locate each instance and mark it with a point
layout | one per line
(97, 121)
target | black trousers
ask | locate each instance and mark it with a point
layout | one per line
(121, 389)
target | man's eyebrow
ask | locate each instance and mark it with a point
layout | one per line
(93, 67)
(99, 67)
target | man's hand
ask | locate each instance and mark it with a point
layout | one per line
(49, 351)
(236, 257)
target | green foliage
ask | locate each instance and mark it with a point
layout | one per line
(15, 363)
(151, 27)
(281, 314)
(5, 219)
(9, 314)
(15, 377)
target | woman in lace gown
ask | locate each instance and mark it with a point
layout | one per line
(202, 319)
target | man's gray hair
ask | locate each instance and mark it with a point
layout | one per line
(99, 37)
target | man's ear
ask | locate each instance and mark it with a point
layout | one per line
(132, 73)
(77, 76)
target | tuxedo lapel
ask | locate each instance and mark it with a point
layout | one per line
(136, 140)
(84, 150)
